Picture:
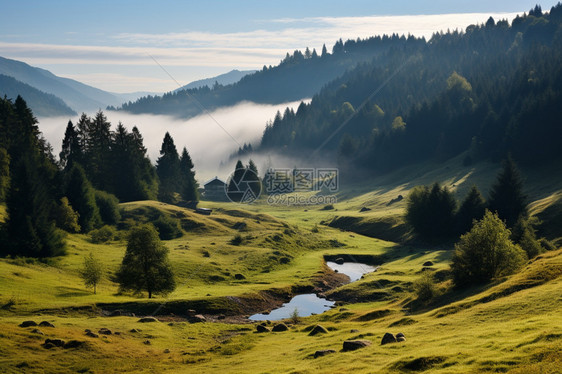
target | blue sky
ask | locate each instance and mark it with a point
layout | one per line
(108, 44)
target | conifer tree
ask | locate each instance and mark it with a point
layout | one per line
(168, 170)
(71, 151)
(472, 208)
(189, 184)
(506, 196)
(81, 196)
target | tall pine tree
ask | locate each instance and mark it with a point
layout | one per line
(168, 170)
(506, 196)
(189, 184)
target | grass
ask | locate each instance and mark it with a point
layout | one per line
(511, 325)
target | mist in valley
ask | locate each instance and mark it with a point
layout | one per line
(210, 138)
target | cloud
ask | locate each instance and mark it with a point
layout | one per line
(208, 144)
(225, 51)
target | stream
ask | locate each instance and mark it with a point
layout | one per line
(309, 304)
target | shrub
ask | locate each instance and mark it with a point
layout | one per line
(108, 206)
(168, 227)
(92, 271)
(424, 287)
(103, 234)
(237, 240)
(485, 252)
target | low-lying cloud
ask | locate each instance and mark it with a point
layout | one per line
(207, 143)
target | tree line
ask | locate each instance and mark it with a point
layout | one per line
(97, 168)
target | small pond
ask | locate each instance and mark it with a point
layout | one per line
(309, 304)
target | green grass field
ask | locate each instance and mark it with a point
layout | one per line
(511, 325)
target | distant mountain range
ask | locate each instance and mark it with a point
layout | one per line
(43, 104)
(231, 77)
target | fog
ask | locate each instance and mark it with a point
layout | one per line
(207, 143)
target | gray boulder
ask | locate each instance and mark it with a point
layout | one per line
(388, 338)
(27, 324)
(352, 345)
(318, 329)
(280, 327)
(147, 319)
(323, 352)
(46, 324)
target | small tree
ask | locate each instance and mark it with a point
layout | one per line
(92, 271)
(485, 252)
(145, 266)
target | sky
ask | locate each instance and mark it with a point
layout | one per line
(114, 45)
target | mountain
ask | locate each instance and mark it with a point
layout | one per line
(79, 96)
(42, 104)
(491, 90)
(298, 76)
(231, 77)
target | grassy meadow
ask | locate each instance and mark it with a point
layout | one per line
(511, 325)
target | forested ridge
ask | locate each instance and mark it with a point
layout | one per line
(491, 89)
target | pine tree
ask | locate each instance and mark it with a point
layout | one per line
(145, 266)
(168, 170)
(506, 195)
(81, 196)
(71, 151)
(472, 208)
(189, 184)
(99, 151)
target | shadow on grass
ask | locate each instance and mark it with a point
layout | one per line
(71, 292)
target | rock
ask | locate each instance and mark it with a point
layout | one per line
(117, 333)
(352, 345)
(262, 328)
(400, 335)
(147, 342)
(37, 331)
(27, 324)
(73, 344)
(353, 331)
(401, 339)
(166, 350)
(239, 276)
(280, 327)
(323, 352)
(364, 209)
(318, 329)
(339, 261)
(428, 263)
(115, 313)
(91, 334)
(46, 324)
(388, 338)
(191, 312)
(197, 318)
(104, 331)
(53, 343)
(48, 345)
(426, 268)
(343, 309)
(147, 319)
(134, 330)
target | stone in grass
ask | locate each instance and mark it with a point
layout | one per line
(104, 331)
(400, 337)
(50, 343)
(352, 345)
(428, 263)
(147, 342)
(46, 324)
(134, 330)
(147, 319)
(261, 328)
(73, 344)
(91, 334)
(339, 261)
(37, 331)
(388, 338)
(280, 327)
(318, 329)
(27, 324)
(323, 352)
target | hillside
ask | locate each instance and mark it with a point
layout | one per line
(42, 104)
(80, 97)
(508, 326)
(491, 90)
(231, 77)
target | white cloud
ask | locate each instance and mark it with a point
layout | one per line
(241, 50)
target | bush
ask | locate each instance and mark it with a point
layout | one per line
(66, 217)
(103, 234)
(424, 287)
(108, 206)
(168, 228)
(485, 252)
(237, 240)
